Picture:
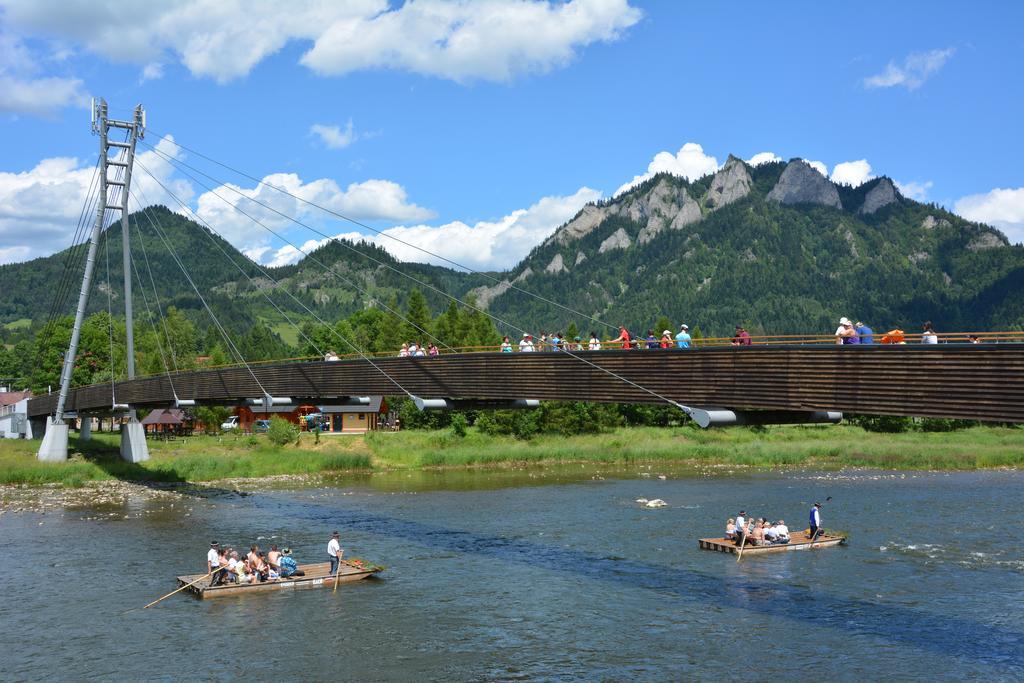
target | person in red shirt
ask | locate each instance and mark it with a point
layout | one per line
(623, 337)
(666, 340)
(742, 337)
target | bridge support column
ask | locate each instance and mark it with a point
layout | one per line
(55, 442)
(84, 427)
(133, 441)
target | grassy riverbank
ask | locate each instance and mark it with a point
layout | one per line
(209, 458)
(194, 459)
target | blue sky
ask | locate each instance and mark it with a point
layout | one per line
(477, 128)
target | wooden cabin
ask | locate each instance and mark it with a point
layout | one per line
(354, 419)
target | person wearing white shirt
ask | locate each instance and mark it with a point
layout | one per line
(526, 344)
(334, 551)
(781, 532)
(213, 564)
(741, 526)
(595, 343)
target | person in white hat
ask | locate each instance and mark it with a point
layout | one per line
(526, 343)
(683, 338)
(844, 329)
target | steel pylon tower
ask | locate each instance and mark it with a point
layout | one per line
(101, 126)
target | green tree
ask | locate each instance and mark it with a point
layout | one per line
(418, 322)
(212, 417)
(281, 431)
(448, 325)
(572, 331)
(662, 324)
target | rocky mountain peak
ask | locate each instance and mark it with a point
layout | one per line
(730, 184)
(801, 184)
(882, 194)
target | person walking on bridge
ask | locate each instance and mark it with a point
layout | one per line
(334, 551)
(683, 338)
(815, 521)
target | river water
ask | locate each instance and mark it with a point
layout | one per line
(531, 574)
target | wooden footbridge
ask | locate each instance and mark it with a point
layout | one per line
(968, 381)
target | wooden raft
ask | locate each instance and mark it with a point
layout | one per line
(317, 576)
(797, 541)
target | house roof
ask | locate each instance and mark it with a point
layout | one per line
(164, 416)
(260, 410)
(373, 407)
(11, 397)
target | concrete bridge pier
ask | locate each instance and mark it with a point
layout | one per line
(133, 441)
(55, 442)
(84, 427)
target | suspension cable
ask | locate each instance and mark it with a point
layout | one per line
(329, 327)
(110, 316)
(60, 291)
(213, 317)
(156, 296)
(149, 315)
(242, 270)
(382, 233)
(308, 255)
(435, 289)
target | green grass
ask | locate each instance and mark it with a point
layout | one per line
(19, 324)
(196, 459)
(818, 446)
(206, 458)
(287, 332)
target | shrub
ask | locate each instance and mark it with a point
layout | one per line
(888, 424)
(282, 431)
(935, 424)
(459, 425)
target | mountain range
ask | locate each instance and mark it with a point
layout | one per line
(777, 247)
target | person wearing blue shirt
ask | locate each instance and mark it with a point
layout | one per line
(288, 565)
(815, 521)
(683, 338)
(865, 333)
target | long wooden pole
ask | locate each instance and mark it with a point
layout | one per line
(743, 542)
(337, 572)
(180, 589)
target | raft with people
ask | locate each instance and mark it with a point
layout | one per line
(799, 540)
(317, 575)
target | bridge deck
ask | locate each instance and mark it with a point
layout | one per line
(971, 381)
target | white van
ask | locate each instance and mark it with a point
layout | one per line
(232, 423)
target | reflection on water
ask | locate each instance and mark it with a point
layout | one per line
(531, 573)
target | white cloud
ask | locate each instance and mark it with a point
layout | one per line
(152, 72)
(485, 245)
(40, 96)
(13, 254)
(1003, 208)
(463, 41)
(333, 137)
(371, 200)
(495, 40)
(852, 173)
(40, 207)
(763, 158)
(23, 91)
(915, 190)
(818, 166)
(689, 162)
(913, 72)
(152, 167)
(257, 253)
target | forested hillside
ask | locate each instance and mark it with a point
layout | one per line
(723, 250)
(777, 247)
